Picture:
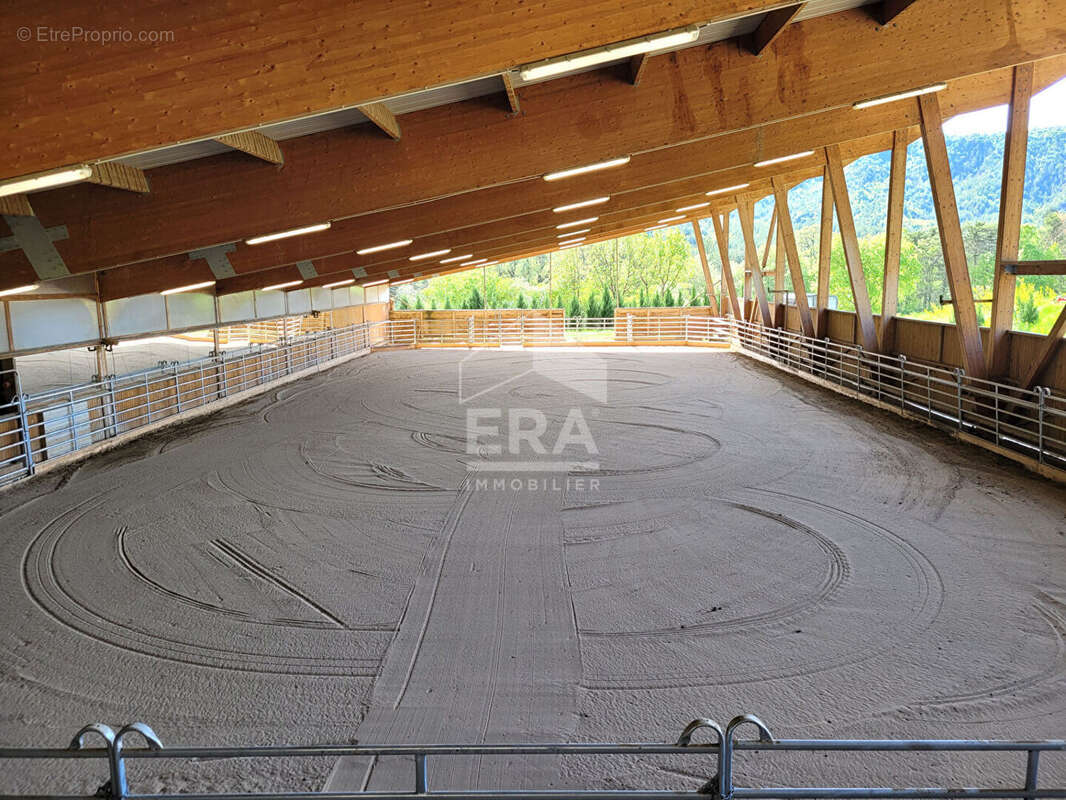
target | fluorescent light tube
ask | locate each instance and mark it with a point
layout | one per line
(19, 290)
(778, 160)
(888, 98)
(568, 246)
(672, 219)
(46, 180)
(611, 52)
(693, 207)
(574, 233)
(339, 283)
(572, 241)
(655, 228)
(456, 258)
(270, 237)
(375, 283)
(380, 247)
(725, 189)
(434, 254)
(575, 223)
(189, 288)
(474, 263)
(583, 204)
(285, 285)
(568, 173)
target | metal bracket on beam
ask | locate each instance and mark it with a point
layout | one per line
(947, 301)
(216, 260)
(33, 239)
(307, 270)
(359, 272)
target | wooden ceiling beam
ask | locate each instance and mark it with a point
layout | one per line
(637, 65)
(254, 144)
(455, 212)
(119, 176)
(512, 93)
(772, 26)
(245, 63)
(16, 205)
(890, 9)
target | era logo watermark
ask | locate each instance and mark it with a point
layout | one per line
(523, 435)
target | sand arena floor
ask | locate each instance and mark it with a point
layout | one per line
(323, 565)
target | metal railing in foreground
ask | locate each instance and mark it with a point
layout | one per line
(1030, 422)
(38, 427)
(717, 748)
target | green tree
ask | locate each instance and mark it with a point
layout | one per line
(521, 302)
(607, 304)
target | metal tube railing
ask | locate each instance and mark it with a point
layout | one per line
(723, 745)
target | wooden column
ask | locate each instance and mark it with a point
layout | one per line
(1048, 347)
(825, 255)
(947, 217)
(751, 259)
(706, 267)
(787, 243)
(729, 289)
(1010, 218)
(863, 315)
(893, 241)
(780, 305)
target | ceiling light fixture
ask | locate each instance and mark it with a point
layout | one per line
(375, 283)
(434, 254)
(380, 247)
(456, 258)
(778, 160)
(19, 290)
(339, 283)
(574, 233)
(672, 219)
(569, 173)
(285, 285)
(46, 180)
(568, 246)
(191, 287)
(474, 263)
(888, 98)
(270, 237)
(575, 223)
(611, 52)
(692, 207)
(583, 204)
(401, 283)
(728, 189)
(655, 228)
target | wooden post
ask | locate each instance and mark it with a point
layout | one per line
(1010, 218)
(863, 315)
(1048, 347)
(780, 304)
(893, 241)
(947, 217)
(787, 238)
(751, 259)
(706, 268)
(729, 289)
(825, 254)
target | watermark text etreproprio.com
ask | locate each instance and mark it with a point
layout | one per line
(77, 34)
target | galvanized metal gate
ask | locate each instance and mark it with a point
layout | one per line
(702, 739)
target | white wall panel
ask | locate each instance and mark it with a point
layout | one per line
(4, 343)
(191, 309)
(145, 313)
(321, 299)
(236, 307)
(299, 301)
(269, 304)
(46, 323)
(342, 296)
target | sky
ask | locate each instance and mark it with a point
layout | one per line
(1047, 110)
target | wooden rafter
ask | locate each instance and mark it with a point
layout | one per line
(512, 94)
(825, 254)
(746, 211)
(254, 144)
(1034, 267)
(119, 176)
(890, 9)
(787, 236)
(852, 256)
(729, 289)
(1008, 236)
(772, 26)
(893, 241)
(947, 217)
(698, 234)
(385, 120)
